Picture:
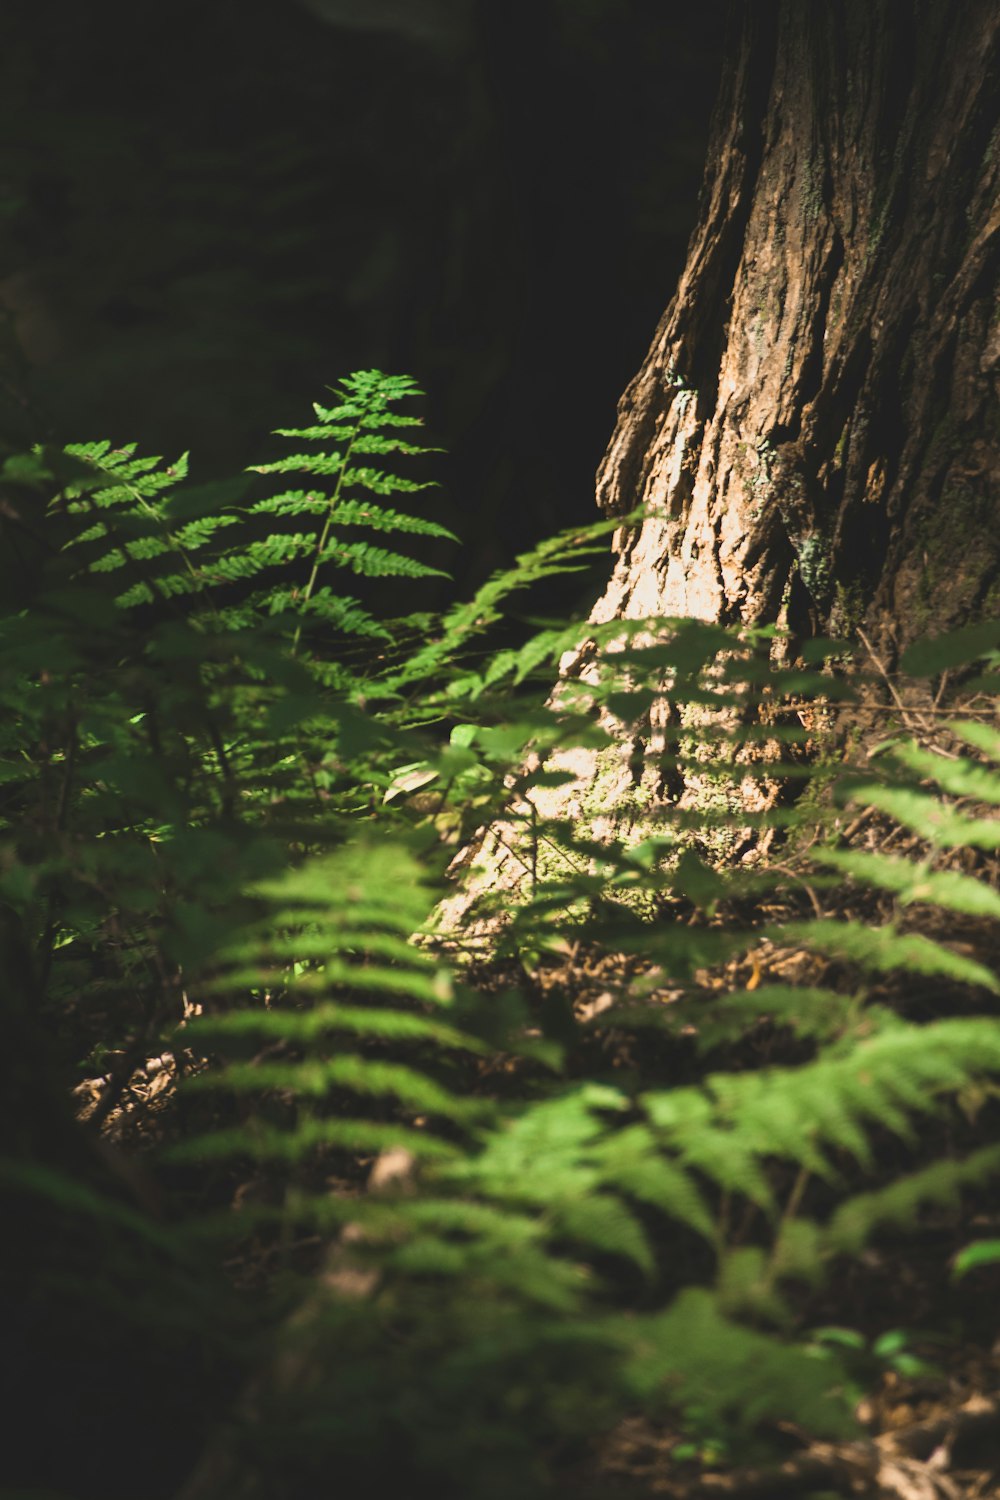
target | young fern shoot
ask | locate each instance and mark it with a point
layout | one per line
(361, 424)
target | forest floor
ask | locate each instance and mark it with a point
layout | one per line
(931, 1416)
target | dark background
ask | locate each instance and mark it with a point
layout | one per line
(212, 209)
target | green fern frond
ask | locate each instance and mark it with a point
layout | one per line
(636, 1166)
(376, 882)
(376, 562)
(746, 1287)
(885, 949)
(291, 503)
(267, 1143)
(126, 502)
(542, 1154)
(913, 882)
(899, 1204)
(131, 479)
(600, 1221)
(356, 426)
(319, 1020)
(379, 517)
(316, 1077)
(328, 464)
(888, 1078)
(338, 611)
(960, 778)
(809, 1011)
(566, 553)
(364, 978)
(938, 822)
(220, 817)
(352, 512)
(726, 1374)
(980, 736)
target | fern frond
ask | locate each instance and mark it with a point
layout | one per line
(913, 882)
(899, 1203)
(316, 1077)
(126, 502)
(267, 1143)
(980, 736)
(357, 427)
(809, 1011)
(568, 552)
(339, 611)
(899, 1073)
(600, 1221)
(352, 512)
(636, 1166)
(960, 778)
(376, 562)
(885, 949)
(938, 822)
(726, 1374)
(319, 1020)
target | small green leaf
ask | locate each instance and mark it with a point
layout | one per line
(933, 654)
(981, 1253)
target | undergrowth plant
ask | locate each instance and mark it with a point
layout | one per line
(230, 795)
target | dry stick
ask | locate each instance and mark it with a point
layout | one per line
(797, 875)
(941, 687)
(856, 824)
(880, 664)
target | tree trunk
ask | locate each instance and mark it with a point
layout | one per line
(815, 428)
(814, 433)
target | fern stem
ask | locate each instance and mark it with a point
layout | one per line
(324, 534)
(200, 586)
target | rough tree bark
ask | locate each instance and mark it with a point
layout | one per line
(815, 428)
(814, 432)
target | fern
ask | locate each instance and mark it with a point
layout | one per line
(335, 926)
(123, 498)
(899, 1204)
(229, 792)
(705, 1358)
(884, 949)
(361, 422)
(915, 882)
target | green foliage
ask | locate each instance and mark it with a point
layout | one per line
(982, 1253)
(229, 795)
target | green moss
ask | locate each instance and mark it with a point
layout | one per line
(841, 448)
(836, 305)
(848, 610)
(815, 564)
(876, 230)
(603, 796)
(612, 797)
